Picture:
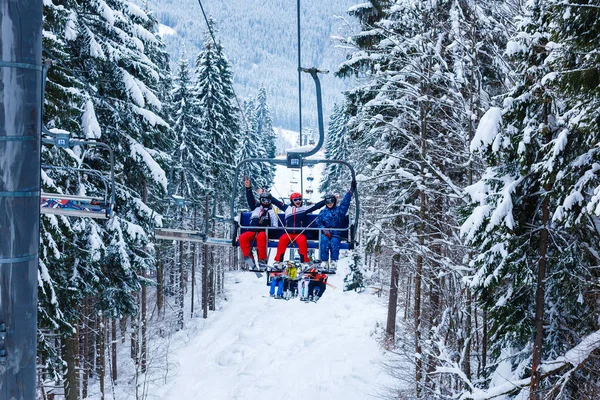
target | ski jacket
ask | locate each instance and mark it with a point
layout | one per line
(318, 277)
(261, 216)
(332, 217)
(291, 272)
(295, 217)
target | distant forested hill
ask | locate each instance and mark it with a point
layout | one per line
(260, 40)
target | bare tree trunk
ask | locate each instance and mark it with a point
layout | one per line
(407, 296)
(419, 266)
(144, 322)
(468, 334)
(180, 293)
(193, 268)
(70, 347)
(84, 338)
(123, 328)
(390, 329)
(211, 281)
(535, 387)
(160, 281)
(113, 349)
(134, 339)
(484, 342)
(205, 267)
(101, 354)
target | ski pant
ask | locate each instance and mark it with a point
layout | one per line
(277, 281)
(246, 239)
(330, 244)
(291, 285)
(316, 288)
(298, 238)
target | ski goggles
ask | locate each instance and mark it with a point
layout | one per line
(265, 201)
(329, 201)
(297, 199)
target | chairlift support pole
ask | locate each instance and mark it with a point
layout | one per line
(20, 123)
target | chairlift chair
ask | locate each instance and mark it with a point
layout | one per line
(75, 205)
(297, 160)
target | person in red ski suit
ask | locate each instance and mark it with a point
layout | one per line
(317, 284)
(295, 221)
(262, 215)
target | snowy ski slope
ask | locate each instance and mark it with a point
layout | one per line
(262, 348)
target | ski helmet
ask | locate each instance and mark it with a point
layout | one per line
(265, 198)
(295, 196)
(330, 199)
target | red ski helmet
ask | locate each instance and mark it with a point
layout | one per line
(294, 196)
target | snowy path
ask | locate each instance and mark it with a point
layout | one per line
(262, 348)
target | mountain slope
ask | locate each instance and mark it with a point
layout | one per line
(260, 38)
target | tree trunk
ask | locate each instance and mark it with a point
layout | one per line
(484, 342)
(84, 337)
(160, 281)
(468, 333)
(101, 354)
(535, 387)
(211, 281)
(134, 339)
(390, 329)
(181, 285)
(144, 322)
(70, 352)
(408, 298)
(419, 266)
(113, 350)
(205, 266)
(193, 269)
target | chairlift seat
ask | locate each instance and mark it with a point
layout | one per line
(75, 206)
(312, 236)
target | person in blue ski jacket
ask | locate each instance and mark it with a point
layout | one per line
(332, 216)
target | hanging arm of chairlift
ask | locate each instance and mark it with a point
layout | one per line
(63, 140)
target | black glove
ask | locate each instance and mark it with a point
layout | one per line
(353, 185)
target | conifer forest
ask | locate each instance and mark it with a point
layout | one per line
(474, 130)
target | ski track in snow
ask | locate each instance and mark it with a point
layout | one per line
(262, 348)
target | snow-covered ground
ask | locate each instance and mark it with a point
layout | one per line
(257, 347)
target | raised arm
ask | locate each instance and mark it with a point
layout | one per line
(249, 196)
(345, 204)
(315, 206)
(280, 204)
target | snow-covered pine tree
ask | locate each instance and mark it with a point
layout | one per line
(265, 134)
(218, 115)
(336, 177)
(111, 48)
(420, 92)
(192, 159)
(355, 279)
(530, 264)
(250, 148)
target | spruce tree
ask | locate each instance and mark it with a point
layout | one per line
(218, 115)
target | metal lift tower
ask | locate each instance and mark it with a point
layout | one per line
(20, 128)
